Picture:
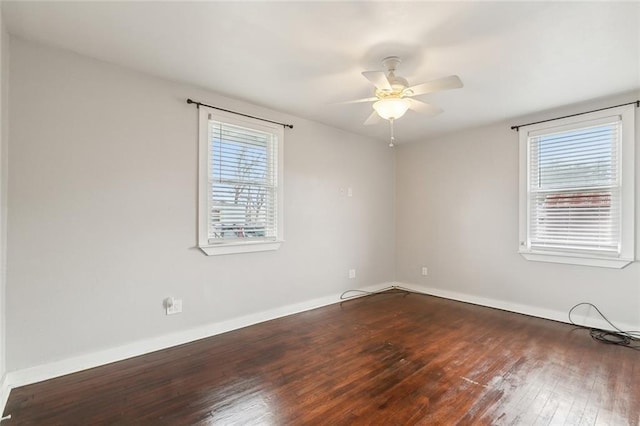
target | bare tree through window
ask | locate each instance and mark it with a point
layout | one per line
(242, 183)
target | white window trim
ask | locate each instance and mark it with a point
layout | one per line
(627, 165)
(203, 184)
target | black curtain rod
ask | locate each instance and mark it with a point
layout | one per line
(517, 128)
(191, 101)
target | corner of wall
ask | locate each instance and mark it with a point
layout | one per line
(4, 131)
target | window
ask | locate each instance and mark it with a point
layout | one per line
(577, 189)
(240, 184)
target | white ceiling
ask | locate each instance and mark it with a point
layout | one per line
(302, 57)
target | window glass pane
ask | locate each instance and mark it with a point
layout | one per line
(243, 183)
(580, 158)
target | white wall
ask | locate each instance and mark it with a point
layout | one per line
(457, 214)
(4, 131)
(102, 218)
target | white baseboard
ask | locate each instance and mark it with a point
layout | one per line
(5, 389)
(585, 317)
(95, 359)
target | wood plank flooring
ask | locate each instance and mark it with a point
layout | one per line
(388, 359)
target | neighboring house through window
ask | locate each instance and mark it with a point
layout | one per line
(577, 189)
(240, 183)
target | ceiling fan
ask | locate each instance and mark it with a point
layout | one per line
(393, 96)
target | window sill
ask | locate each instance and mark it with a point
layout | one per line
(572, 259)
(245, 247)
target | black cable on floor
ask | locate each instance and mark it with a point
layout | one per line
(629, 339)
(371, 293)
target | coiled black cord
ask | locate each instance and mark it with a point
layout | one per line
(629, 339)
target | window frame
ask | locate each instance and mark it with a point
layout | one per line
(627, 163)
(235, 246)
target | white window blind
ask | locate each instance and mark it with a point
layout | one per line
(243, 183)
(577, 189)
(574, 189)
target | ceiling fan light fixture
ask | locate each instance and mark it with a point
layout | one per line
(391, 108)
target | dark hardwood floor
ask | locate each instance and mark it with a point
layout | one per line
(388, 359)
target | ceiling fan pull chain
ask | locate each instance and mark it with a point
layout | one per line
(393, 138)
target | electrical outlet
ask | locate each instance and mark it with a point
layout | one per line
(173, 306)
(352, 273)
(425, 271)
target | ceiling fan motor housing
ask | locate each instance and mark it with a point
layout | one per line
(398, 84)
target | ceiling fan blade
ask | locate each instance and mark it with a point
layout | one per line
(357, 101)
(379, 79)
(373, 119)
(423, 107)
(446, 83)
